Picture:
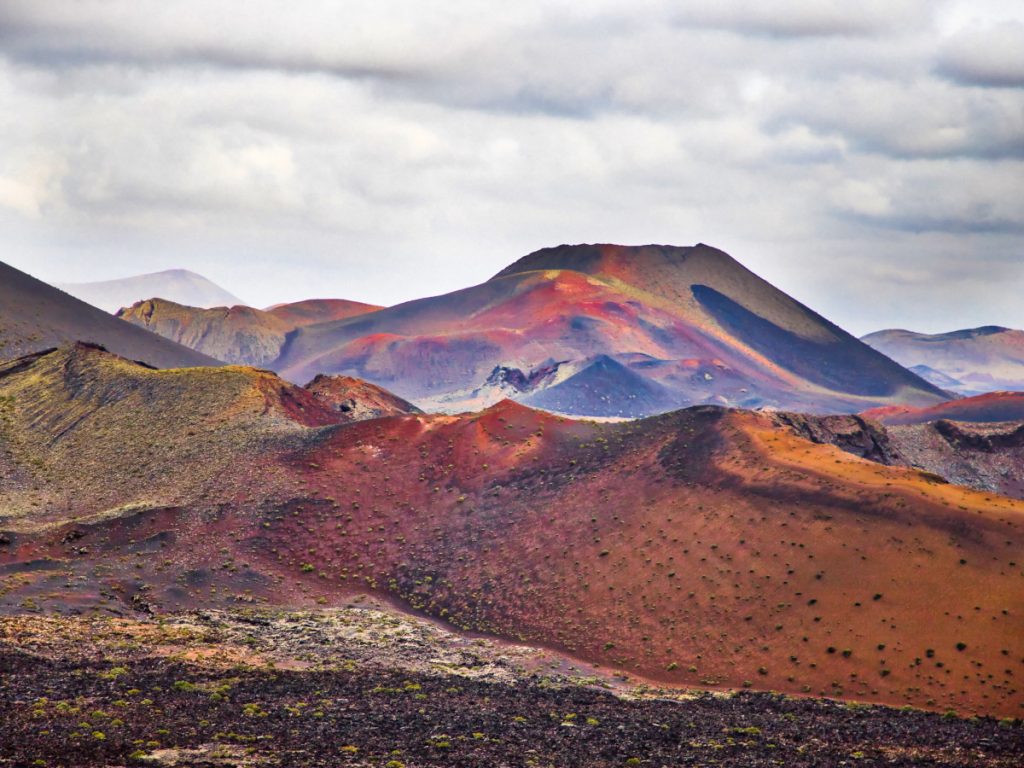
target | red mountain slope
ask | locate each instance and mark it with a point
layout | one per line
(692, 319)
(990, 407)
(356, 400)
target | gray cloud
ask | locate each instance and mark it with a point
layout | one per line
(987, 56)
(806, 18)
(382, 151)
(922, 119)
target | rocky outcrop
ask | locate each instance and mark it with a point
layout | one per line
(986, 456)
(853, 434)
(357, 400)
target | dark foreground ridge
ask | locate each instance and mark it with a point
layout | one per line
(329, 700)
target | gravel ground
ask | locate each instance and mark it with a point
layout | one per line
(365, 687)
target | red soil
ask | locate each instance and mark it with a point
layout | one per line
(989, 407)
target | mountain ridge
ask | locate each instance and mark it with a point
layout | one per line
(978, 360)
(238, 334)
(691, 320)
(35, 315)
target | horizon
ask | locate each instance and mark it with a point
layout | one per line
(230, 289)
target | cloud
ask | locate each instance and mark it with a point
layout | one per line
(919, 198)
(805, 18)
(987, 56)
(912, 119)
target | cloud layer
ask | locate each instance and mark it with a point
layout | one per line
(867, 157)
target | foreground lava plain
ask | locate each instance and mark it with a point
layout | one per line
(363, 686)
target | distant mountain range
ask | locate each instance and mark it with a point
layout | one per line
(237, 334)
(35, 316)
(595, 330)
(968, 362)
(178, 285)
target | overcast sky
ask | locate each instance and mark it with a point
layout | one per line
(867, 157)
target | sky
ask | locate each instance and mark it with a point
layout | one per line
(867, 158)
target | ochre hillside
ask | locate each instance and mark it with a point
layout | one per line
(237, 334)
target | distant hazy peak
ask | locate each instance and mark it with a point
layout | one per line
(181, 286)
(965, 333)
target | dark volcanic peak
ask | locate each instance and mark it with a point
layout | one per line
(593, 258)
(693, 310)
(36, 316)
(605, 387)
